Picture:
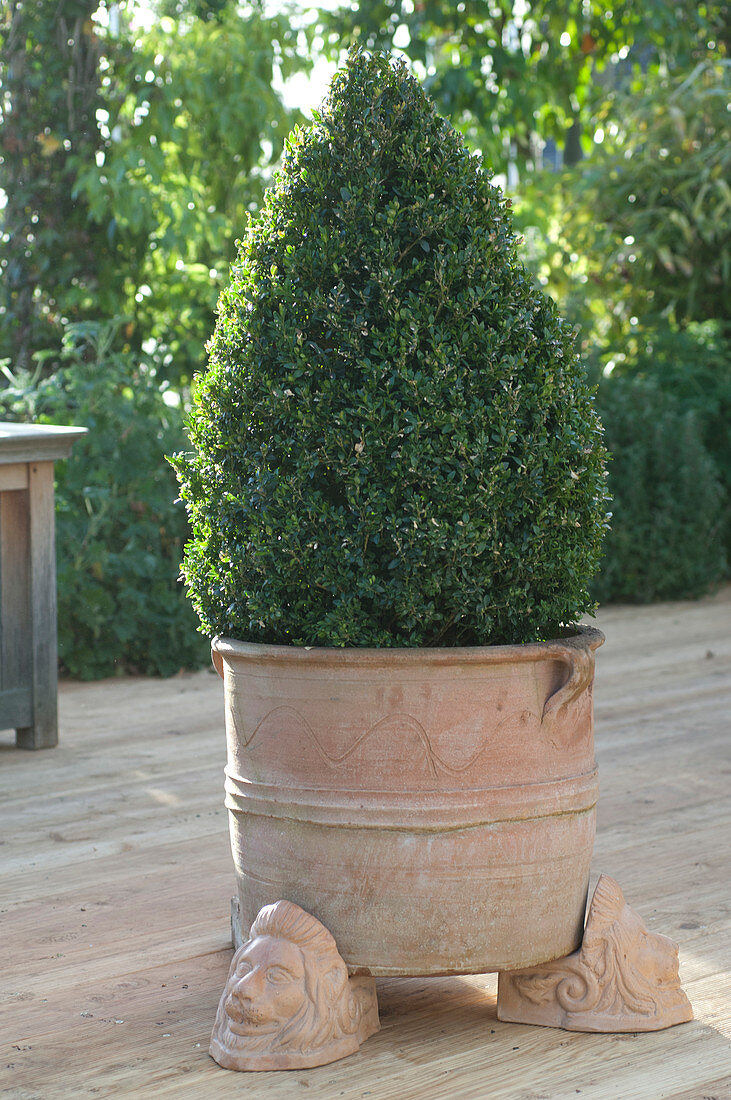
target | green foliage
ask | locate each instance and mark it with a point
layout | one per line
(511, 76)
(639, 237)
(394, 443)
(660, 200)
(549, 213)
(129, 160)
(119, 535)
(192, 127)
(665, 540)
(49, 53)
(692, 366)
(606, 259)
(199, 9)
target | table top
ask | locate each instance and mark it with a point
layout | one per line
(36, 442)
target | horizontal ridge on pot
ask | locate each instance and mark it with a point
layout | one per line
(433, 811)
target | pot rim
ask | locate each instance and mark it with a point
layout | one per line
(586, 639)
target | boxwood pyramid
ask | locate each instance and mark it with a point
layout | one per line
(394, 443)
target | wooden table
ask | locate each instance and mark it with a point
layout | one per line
(28, 659)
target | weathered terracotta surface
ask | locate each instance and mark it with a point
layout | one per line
(435, 809)
(623, 978)
(288, 1002)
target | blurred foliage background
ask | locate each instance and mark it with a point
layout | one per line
(135, 138)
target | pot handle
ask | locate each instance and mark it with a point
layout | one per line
(580, 662)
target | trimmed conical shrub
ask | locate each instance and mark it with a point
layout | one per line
(394, 444)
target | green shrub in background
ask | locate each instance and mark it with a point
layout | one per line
(665, 540)
(395, 444)
(692, 365)
(119, 535)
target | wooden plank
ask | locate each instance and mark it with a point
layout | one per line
(440, 1040)
(116, 879)
(15, 626)
(13, 477)
(42, 733)
(720, 1089)
(36, 442)
(15, 708)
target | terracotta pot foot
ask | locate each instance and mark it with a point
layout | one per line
(622, 978)
(288, 1002)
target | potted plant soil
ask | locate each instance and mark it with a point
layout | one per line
(397, 498)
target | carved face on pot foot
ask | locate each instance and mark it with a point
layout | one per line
(288, 1001)
(623, 978)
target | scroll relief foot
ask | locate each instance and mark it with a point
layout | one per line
(622, 978)
(288, 1002)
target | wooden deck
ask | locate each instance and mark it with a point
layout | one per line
(116, 880)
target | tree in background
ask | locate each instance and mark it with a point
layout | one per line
(131, 159)
(512, 75)
(193, 129)
(662, 200)
(643, 227)
(50, 92)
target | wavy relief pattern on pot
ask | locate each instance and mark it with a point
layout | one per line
(412, 741)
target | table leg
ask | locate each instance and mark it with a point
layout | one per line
(42, 733)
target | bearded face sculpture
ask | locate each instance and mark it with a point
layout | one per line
(288, 1001)
(623, 978)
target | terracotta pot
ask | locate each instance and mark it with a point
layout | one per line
(434, 808)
